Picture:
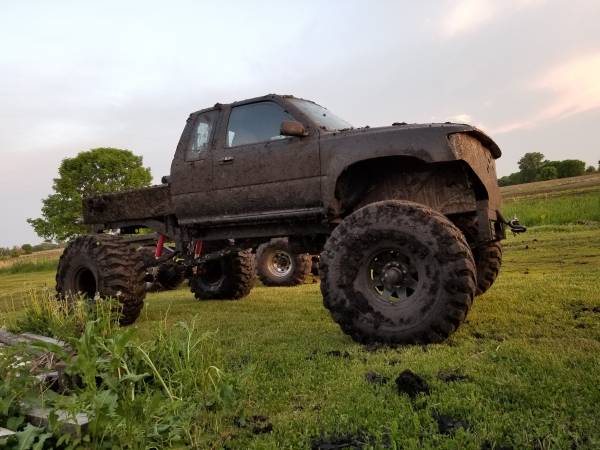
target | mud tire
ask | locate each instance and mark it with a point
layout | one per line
(488, 259)
(103, 265)
(231, 277)
(488, 256)
(440, 258)
(299, 268)
(170, 275)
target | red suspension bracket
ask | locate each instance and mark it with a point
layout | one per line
(197, 248)
(159, 246)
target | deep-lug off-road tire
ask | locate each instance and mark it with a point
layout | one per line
(488, 259)
(228, 278)
(170, 275)
(102, 265)
(397, 272)
(487, 256)
(278, 265)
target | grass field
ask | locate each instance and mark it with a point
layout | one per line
(562, 201)
(523, 372)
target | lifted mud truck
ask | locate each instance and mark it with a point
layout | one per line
(406, 218)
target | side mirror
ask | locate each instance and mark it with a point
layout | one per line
(292, 128)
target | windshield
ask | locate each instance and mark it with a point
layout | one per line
(322, 116)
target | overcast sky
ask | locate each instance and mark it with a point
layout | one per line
(76, 75)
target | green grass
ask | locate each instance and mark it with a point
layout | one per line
(529, 348)
(533, 211)
(28, 266)
(564, 201)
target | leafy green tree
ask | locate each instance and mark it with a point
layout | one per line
(570, 168)
(529, 165)
(547, 172)
(95, 171)
(590, 169)
(27, 248)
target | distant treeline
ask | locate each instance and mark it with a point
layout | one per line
(27, 249)
(533, 167)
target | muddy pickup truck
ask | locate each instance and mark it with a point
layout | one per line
(405, 218)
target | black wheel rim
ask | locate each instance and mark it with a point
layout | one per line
(393, 276)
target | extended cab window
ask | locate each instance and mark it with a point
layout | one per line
(201, 134)
(256, 122)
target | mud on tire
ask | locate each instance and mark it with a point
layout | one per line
(278, 265)
(102, 265)
(487, 256)
(397, 272)
(228, 278)
(170, 275)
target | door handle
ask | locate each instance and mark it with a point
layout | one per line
(226, 160)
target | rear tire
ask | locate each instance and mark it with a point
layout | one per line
(104, 266)
(230, 277)
(397, 272)
(277, 265)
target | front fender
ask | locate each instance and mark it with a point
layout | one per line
(425, 144)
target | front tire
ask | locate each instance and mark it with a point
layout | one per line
(228, 278)
(104, 266)
(397, 272)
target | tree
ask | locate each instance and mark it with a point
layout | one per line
(570, 168)
(529, 165)
(590, 169)
(547, 172)
(95, 171)
(27, 248)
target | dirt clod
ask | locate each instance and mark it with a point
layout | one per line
(348, 441)
(411, 384)
(338, 354)
(450, 376)
(448, 424)
(376, 378)
(373, 347)
(585, 310)
(258, 424)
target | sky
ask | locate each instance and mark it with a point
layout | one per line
(76, 75)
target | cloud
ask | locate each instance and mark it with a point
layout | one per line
(576, 86)
(572, 87)
(461, 118)
(469, 15)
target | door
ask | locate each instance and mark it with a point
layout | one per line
(257, 171)
(191, 170)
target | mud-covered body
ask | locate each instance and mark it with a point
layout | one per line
(406, 218)
(304, 185)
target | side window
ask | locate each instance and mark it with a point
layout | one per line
(201, 135)
(256, 122)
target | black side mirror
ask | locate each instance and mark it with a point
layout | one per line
(292, 128)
